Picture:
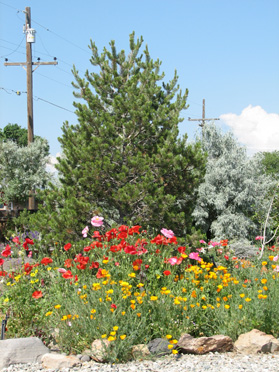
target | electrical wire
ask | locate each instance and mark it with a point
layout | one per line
(18, 10)
(15, 50)
(18, 93)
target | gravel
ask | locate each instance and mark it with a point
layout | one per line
(211, 362)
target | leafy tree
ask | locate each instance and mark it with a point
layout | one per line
(270, 163)
(234, 189)
(17, 134)
(22, 169)
(124, 158)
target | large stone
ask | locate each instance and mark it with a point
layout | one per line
(159, 347)
(21, 350)
(202, 345)
(57, 361)
(256, 341)
(140, 351)
(99, 350)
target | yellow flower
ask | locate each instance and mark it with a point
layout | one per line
(57, 306)
(6, 300)
(240, 306)
(168, 337)
(265, 288)
(264, 263)
(49, 268)
(247, 299)
(225, 299)
(227, 306)
(93, 311)
(174, 351)
(242, 295)
(115, 328)
(170, 346)
(64, 317)
(48, 313)
(113, 333)
(104, 336)
(123, 312)
(111, 338)
(173, 342)
(123, 337)
(153, 298)
(264, 281)
(140, 285)
(132, 275)
(138, 314)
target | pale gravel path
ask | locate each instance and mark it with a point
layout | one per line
(212, 362)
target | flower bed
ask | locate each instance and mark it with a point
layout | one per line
(127, 288)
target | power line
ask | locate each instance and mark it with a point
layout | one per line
(19, 92)
(18, 10)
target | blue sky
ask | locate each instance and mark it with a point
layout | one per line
(225, 51)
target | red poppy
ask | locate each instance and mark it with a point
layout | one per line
(226, 257)
(3, 273)
(27, 241)
(166, 272)
(87, 249)
(68, 263)
(7, 251)
(122, 235)
(134, 230)
(46, 260)
(37, 294)
(67, 275)
(123, 228)
(16, 240)
(113, 306)
(67, 246)
(28, 267)
(181, 249)
(1, 261)
(94, 265)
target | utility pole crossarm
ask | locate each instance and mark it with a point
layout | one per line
(33, 63)
(203, 119)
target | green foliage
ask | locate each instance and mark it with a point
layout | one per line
(17, 134)
(22, 169)
(128, 299)
(232, 199)
(124, 158)
(270, 163)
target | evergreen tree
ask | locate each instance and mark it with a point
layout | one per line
(124, 158)
(231, 201)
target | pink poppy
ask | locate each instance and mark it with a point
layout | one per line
(61, 270)
(167, 233)
(202, 242)
(85, 231)
(259, 238)
(194, 256)
(97, 221)
(275, 258)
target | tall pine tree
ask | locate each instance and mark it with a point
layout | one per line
(124, 159)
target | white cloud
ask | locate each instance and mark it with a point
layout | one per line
(255, 128)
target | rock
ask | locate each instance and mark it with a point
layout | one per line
(21, 350)
(85, 358)
(140, 351)
(99, 350)
(159, 346)
(256, 341)
(56, 361)
(202, 345)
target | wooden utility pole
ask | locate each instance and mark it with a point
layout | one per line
(29, 77)
(203, 119)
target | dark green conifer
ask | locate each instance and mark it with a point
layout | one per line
(124, 159)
